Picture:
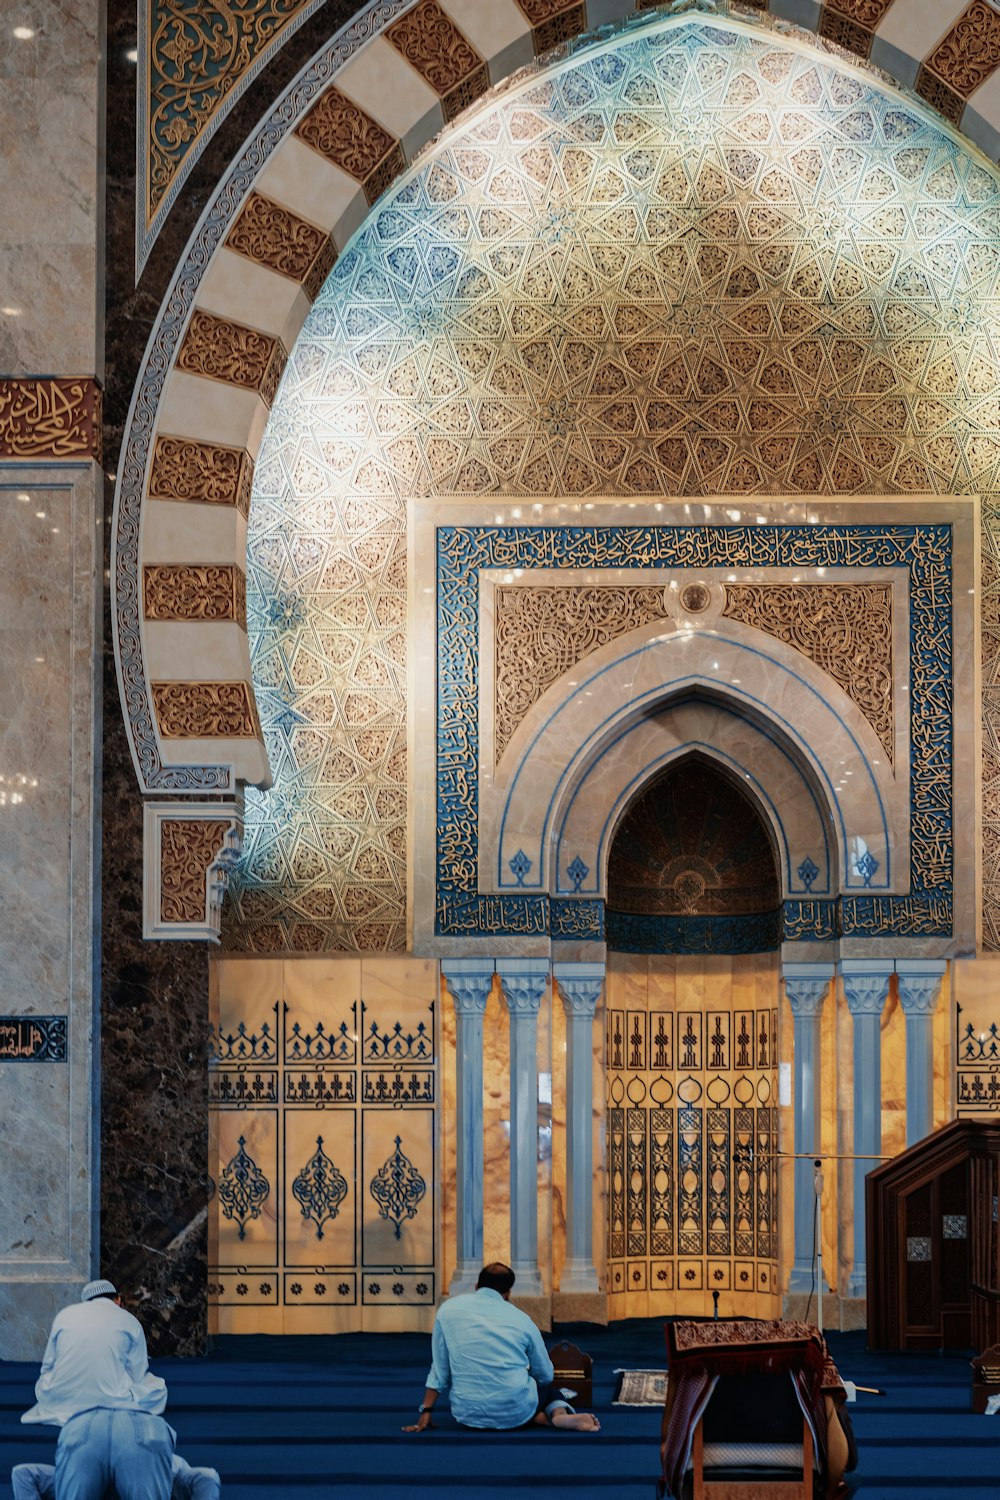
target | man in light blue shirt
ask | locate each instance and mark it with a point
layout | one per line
(490, 1356)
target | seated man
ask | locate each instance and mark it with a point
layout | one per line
(96, 1385)
(491, 1357)
(38, 1482)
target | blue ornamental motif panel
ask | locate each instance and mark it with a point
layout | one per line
(243, 1189)
(319, 1188)
(398, 1188)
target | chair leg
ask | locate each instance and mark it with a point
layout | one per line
(698, 1465)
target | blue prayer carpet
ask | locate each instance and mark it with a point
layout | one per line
(302, 1419)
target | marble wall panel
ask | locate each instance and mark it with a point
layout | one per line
(324, 1102)
(496, 1128)
(976, 1036)
(49, 814)
(50, 187)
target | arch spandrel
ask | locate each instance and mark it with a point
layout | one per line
(782, 375)
(607, 726)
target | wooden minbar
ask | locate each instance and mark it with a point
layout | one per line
(933, 1245)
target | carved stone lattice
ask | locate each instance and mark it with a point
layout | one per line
(221, 350)
(339, 129)
(970, 51)
(187, 847)
(432, 43)
(271, 235)
(541, 633)
(844, 628)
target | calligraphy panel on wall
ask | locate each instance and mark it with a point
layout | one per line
(323, 1098)
(692, 1129)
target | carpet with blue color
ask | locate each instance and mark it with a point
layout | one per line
(292, 1418)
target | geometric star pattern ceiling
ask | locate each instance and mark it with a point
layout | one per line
(695, 260)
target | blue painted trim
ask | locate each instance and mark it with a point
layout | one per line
(924, 550)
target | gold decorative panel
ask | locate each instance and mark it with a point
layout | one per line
(206, 473)
(50, 418)
(272, 236)
(187, 848)
(194, 591)
(339, 129)
(554, 21)
(692, 1137)
(227, 351)
(432, 43)
(541, 633)
(204, 710)
(844, 628)
(195, 61)
(323, 1100)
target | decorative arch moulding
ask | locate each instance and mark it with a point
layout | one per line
(189, 850)
(932, 554)
(292, 205)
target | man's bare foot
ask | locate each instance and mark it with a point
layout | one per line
(575, 1421)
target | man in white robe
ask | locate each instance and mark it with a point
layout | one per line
(95, 1384)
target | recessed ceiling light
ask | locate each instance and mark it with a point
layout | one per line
(23, 33)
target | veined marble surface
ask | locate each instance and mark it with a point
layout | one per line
(51, 173)
(49, 613)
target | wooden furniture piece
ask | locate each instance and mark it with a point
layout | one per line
(985, 1377)
(730, 1459)
(575, 1370)
(933, 1247)
(746, 1413)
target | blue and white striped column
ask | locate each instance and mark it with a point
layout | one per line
(919, 983)
(469, 982)
(866, 987)
(524, 982)
(580, 988)
(806, 986)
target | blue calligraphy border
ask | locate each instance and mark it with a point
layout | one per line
(925, 551)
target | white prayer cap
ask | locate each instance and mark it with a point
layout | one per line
(98, 1289)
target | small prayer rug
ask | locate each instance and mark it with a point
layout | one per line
(640, 1388)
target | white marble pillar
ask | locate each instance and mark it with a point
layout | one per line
(580, 988)
(524, 981)
(806, 986)
(919, 983)
(469, 982)
(866, 986)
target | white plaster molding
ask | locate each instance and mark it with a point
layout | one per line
(216, 874)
